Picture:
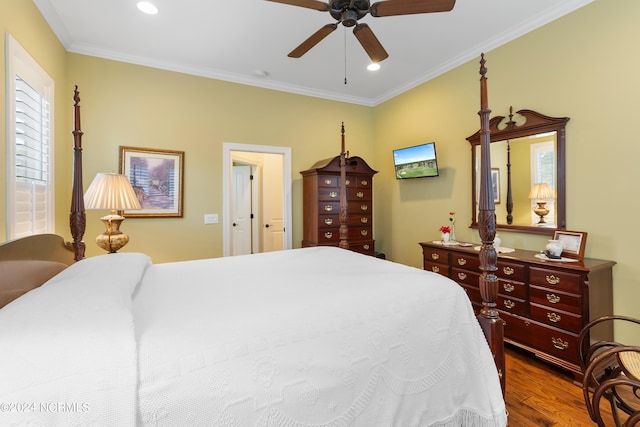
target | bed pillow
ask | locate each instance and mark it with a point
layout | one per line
(20, 276)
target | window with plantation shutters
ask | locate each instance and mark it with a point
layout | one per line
(30, 206)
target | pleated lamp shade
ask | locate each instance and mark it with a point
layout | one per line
(111, 191)
(114, 192)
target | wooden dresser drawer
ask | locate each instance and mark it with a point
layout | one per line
(512, 289)
(360, 233)
(436, 267)
(558, 318)
(358, 220)
(328, 194)
(359, 194)
(473, 292)
(435, 255)
(465, 276)
(365, 247)
(466, 261)
(325, 221)
(364, 206)
(328, 181)
(329, 207)
(512, 305)
(555, 299)
(550, 340)
(555, 279)
(362, 182)
(328, 235)
(511, 271)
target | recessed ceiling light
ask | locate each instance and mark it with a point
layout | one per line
(147, 7)
(374, 66)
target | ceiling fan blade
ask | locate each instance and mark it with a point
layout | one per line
(409, 7)
(309, 4)
(312, 41)
(370, 43)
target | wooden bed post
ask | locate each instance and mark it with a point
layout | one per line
(344, 215)
(488, 317)
(77, 217)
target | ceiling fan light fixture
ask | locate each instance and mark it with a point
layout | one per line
(374, 66)
(147, 7)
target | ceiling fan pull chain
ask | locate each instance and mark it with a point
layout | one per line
(345, 54)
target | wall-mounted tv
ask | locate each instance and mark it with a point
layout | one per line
(418, 161)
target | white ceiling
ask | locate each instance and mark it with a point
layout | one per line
(247, 41)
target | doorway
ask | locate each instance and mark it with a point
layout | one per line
(256, 198)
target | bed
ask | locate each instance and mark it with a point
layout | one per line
(291, 338)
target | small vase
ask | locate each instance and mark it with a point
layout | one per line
(554, 248)
(445, 237)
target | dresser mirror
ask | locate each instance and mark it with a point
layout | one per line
(527, 152)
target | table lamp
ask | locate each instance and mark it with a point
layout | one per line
(114, 192)
(539, 192)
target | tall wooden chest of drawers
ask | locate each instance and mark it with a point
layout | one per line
(321, 204)
(544, 304)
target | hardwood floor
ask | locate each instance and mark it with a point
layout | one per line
(540, 395)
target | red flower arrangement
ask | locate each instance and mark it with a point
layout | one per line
(445, 229)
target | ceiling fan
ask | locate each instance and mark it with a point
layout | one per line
(349, 12)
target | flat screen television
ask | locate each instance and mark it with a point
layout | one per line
(418, 161)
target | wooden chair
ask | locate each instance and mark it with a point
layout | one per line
(611, 371)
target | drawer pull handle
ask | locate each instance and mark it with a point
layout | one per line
(462, 276)
(328, 181)
(555, 318)
(553, 298)
(328, 221)
(366, 246)
(435, 256)
(328, 208)
(360, 194)
(559, 344)
(364, 182)
(552, 280)
(462, 261)
(435, 269)
(364, 207)
(333, 194)
(508, 271)
(364, 232)
(508, 287)
(328, 234)
(509, 304)
(347, 182)
(364, 220)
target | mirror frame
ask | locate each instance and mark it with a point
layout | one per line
(534, 123)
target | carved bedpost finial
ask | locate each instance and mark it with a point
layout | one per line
(77, 217)
(483, 69)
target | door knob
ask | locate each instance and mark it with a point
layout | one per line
(266, 225)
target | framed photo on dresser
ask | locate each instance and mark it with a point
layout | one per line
(573, 243)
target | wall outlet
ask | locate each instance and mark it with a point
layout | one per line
(210, 218)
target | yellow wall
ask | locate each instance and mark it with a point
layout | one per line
(25, 23)
(137, 106)
(581, 66)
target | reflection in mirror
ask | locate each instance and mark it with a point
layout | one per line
(523, 155)
(532, 157)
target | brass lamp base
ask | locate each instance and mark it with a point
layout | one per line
(541, 210)
(113, 239)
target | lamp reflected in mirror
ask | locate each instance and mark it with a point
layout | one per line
(114, 192)
(541, 192)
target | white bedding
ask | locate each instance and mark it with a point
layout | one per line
(307, 337)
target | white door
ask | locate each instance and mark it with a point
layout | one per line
(241, 210)
(273, 203)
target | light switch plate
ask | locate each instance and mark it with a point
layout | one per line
(210, 218)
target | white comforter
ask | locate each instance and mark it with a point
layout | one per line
(307, 337)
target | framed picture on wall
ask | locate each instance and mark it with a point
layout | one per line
(495, 184)
(573, 243)
(156, 176)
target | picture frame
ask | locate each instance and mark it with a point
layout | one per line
(573, 243)
(495, 184)
(157, 178)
